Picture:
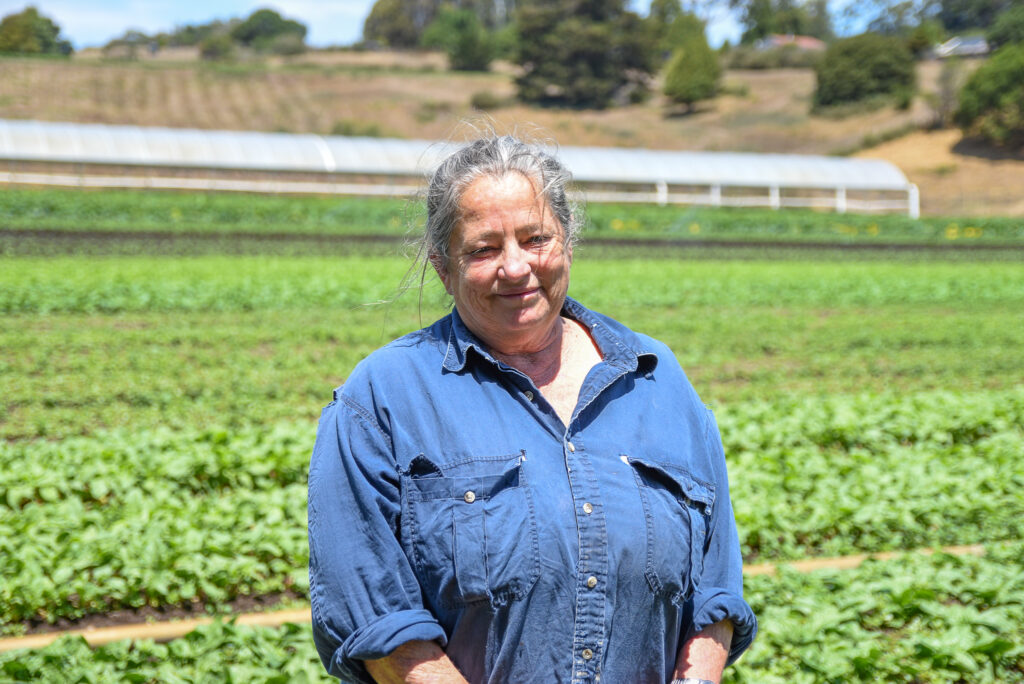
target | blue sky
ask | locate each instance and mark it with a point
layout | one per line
(330, 22)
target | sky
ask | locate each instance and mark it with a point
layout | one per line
(330, 22)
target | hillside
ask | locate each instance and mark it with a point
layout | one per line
(412, 96)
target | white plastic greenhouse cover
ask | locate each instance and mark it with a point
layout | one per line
(132, 145)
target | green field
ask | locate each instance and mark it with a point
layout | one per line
(159, 411)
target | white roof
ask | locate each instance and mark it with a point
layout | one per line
(133, 145)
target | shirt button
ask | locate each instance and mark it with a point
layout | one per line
(587, 654)
(591, 581)
(469, 496)
(588, 508)
(571, 446)
(529, 395)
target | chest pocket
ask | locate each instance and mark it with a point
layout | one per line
(471, 530)
(677, 508)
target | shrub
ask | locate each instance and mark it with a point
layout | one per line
(1008, 28)
(217, 47)
(692, 73)
(29, 32)
(992, 101)
(485, 100)
(862, 67)
(463, 38)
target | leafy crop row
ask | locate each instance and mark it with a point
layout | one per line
(915, 619)
(126, 519)
(78, 210)
(254, 283)
(831, 476)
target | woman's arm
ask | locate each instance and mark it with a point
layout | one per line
(414, 662)
(704, 655)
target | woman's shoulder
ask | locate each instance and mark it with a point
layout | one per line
(409, 354)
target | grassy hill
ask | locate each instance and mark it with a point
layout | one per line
(413, 96)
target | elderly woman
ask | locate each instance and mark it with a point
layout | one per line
(526, 490)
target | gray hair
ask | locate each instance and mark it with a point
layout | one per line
(493, 156)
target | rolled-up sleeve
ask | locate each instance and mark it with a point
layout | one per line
(365, 598)
(719, 595)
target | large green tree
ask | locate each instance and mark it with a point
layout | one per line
(29, 32)
(992, 101)
(761, 18)
(862, 67)
(581, 53)
(264, 28)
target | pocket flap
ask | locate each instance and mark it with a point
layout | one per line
(676, 480)
(468, 488)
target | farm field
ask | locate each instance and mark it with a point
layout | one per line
(412, 96)
(159, 411)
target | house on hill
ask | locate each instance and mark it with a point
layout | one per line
(778, 40)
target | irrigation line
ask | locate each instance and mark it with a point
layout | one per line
(166, 631)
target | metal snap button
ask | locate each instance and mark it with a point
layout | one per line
(591, 581)
(588, 508)
(529, 395)
(469, 496)
(571, 447)
(587, 654)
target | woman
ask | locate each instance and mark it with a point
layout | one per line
(526, 490)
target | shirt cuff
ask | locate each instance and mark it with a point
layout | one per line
(384, 635)
(717, 605)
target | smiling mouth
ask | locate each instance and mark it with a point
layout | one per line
(518, 294)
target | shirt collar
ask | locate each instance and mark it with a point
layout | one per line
(628, 353)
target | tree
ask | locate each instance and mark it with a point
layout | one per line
(960, 15)
(29, 32)
(581, 53)
(864, 66)
(264, 27)
(463, 38)
(1008, 28)
(992, 101)
(693, 72)
(762, 18)
(389, 24)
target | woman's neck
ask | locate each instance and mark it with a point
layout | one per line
(543, 364)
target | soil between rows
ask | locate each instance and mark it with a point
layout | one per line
(130, 616)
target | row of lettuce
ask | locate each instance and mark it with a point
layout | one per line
(925, 619)
(134, 518)
(72, 210)
(214, 284)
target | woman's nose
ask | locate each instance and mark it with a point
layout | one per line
(515, 263)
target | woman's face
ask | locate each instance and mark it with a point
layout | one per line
(508, 266)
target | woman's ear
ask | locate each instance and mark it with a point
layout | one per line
(437, 261)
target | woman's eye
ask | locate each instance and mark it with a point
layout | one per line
(481, 251)
(539, 239)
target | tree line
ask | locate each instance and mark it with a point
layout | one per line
(597, 53)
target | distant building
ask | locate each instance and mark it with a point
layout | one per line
(958, 46)
(778, 40)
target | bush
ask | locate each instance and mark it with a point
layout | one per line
(992, 101)
(463, 38)
(1008, 28)
(217, 47)
(863, 67)
(29, 32)
(485, 100)
(693, 72)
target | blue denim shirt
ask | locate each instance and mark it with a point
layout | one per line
(448, 502)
